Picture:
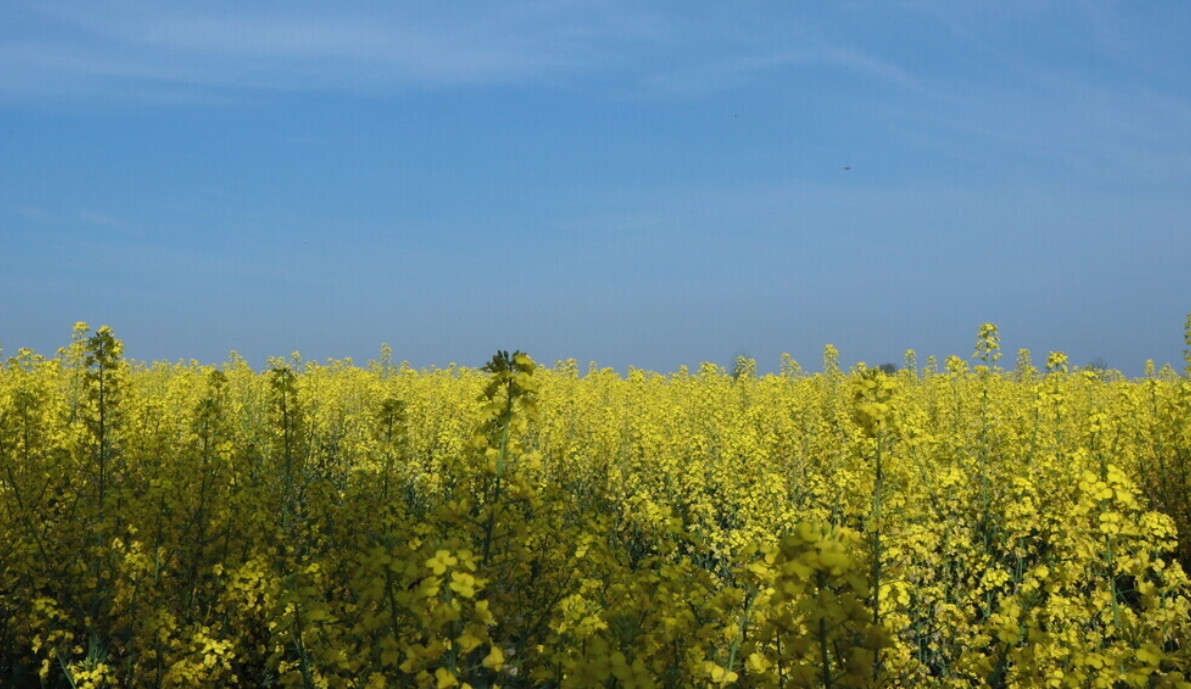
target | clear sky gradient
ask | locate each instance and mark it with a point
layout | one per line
(646, 184)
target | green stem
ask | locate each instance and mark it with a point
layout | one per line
(744, 620)
(824, 649)
(876, 567)
(496, 490)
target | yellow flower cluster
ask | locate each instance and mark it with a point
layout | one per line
(330, 525)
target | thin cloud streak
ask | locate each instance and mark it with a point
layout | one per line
(733, 71)
(114, 47)
(92, 51)
(294, 50)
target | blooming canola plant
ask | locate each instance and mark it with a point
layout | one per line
(330, 525)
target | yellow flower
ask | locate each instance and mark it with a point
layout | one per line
(441, 561)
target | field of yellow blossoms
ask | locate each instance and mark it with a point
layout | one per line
(964, 523)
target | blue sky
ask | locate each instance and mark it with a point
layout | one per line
(647, 184)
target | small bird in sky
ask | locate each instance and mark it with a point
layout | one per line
(847, 168)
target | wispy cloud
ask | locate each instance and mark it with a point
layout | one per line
(718, 72)
(33, 213)
(108, 222)
(115, 46)
(80, 49)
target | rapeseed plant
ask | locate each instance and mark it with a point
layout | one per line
(325, 525)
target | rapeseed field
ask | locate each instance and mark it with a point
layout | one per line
(953, 524)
